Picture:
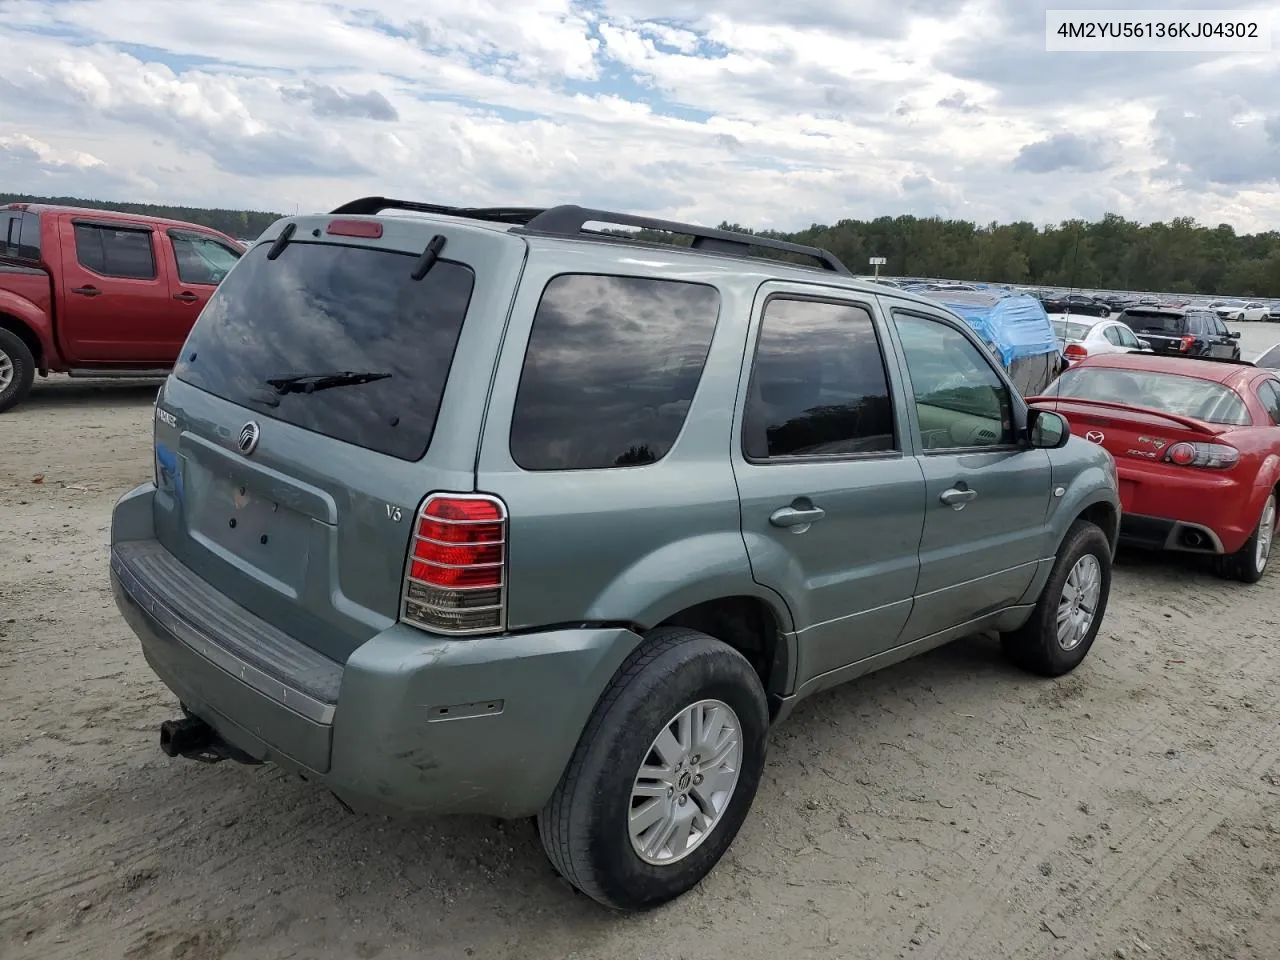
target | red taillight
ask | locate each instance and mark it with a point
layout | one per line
(1187, 344)
(455, 581)
(1216, 456)
(1076, 351)
(369, 229)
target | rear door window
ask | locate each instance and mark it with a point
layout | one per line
(610, 371)
(818, 386)
(327, 308)
(115, 251)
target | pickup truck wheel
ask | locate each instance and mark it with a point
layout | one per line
(1249, 563)
(17, 370)
(663, 775)
(1062, 628)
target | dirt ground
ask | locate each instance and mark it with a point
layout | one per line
(950, 807)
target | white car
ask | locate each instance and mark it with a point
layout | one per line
(1081, 336)
(1255, 311)
(1228, 309)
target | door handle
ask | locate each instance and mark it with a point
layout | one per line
(795, 516)
(86, 291)
(186, 297)
(957, 496)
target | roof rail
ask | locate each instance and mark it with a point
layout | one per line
(568, 220)
(367, 206)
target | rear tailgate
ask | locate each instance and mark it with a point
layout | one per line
(1164, 330)
(1132, 437)
(308, 525)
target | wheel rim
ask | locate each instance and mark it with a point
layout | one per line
(1266, 534)
(6, 371)
(685, 782)
(1079, 602)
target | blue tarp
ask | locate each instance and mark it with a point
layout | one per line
(1014, 324)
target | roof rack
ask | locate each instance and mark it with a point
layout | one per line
(569, 220)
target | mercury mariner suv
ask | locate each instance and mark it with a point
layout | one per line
(533, 513)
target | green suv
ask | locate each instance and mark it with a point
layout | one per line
(500, 511)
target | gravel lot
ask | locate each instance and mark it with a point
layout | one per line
(950, 807)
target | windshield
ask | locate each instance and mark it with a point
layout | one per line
(1162, 392)
(1066, 330)
(325, 309)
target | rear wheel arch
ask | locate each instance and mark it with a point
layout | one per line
(750, 625)
(22, 330)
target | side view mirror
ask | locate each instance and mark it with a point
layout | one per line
(1047, 430)
(1233, 335)
(1144, 344)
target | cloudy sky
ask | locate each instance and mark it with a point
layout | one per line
(766, 113)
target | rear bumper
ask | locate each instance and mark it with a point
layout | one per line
(410, 723)
(1198, 511)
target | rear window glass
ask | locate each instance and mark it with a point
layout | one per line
(1162, 392)
(610, 371)
(1155, 322)
(114, 252)
(1070, 331)
(326, 308)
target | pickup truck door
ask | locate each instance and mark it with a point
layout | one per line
(114, 302)
(199, 262)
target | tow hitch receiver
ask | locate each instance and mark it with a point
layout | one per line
(194, 739)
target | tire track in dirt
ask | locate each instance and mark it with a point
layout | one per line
(1008, 876)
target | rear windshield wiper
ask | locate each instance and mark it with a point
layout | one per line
(311, 382)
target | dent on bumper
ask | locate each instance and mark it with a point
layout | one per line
(422, 724)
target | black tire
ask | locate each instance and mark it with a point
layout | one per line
(1034, 646)
(1243, 564)
(584, 826)
(18, 355)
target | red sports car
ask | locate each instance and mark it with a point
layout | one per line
(1196, 445)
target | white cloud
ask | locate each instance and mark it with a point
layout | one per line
(745, 110)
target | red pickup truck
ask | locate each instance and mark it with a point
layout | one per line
(95, 293)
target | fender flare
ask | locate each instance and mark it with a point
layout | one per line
(677, 576)
(35, 320)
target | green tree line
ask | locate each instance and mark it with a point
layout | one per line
(1113, 253)
(1180, 256)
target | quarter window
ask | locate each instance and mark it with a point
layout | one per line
(115, 252)
(960, 401)
(610, 371)
(818, 386)
(1269, 394)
